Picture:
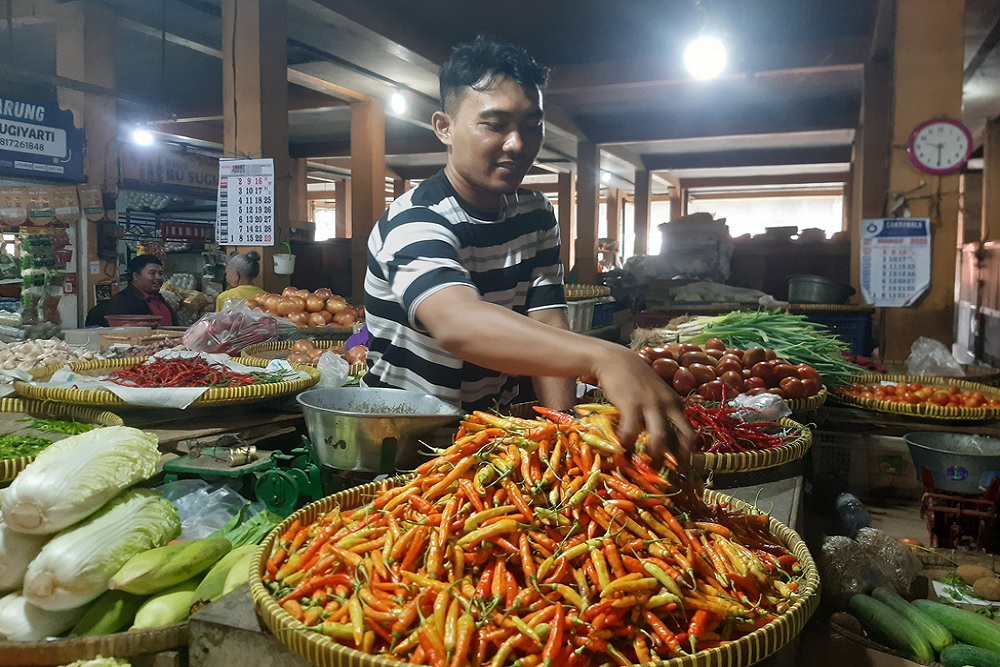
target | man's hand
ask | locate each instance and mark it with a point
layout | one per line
(646, 403)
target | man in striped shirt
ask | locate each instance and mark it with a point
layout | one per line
(464, 286)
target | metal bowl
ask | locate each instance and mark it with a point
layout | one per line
(957, 462)
(375, 430)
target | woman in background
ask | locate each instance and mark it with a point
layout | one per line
(241, 269)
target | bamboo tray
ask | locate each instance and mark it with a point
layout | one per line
(9, 468)
(280, 349)
(759, 460)
(104, 397)
(925, 411)
(322, 651)
(119, 645)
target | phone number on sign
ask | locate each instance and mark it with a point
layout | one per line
(7, 142)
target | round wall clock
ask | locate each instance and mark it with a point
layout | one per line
(939, 146)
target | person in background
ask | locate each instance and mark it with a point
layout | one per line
(464, 287)
(141, 297)
(241, 269)
(610, 255)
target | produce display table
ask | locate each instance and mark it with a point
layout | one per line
(847, 419)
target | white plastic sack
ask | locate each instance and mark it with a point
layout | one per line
(334, 371)
(931, 357)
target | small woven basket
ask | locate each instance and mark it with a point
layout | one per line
(793, 450)
(119, 645)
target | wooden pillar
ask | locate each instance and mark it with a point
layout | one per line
(399, 186)
(929, 55)
(342, 229)
(613, 213)
(588, 159)
(970, 210)
(83, 31)
(367, 183)
(643, 211)
(991, 181)
(255, 106)
(567, 218)
(298, 198)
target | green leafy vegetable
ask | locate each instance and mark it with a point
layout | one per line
(15, 446)
(66, 426)
(241, 530)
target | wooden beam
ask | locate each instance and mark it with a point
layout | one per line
(342, 149)
(367, 185)
(326, 87)
(990, 225)
(741, 181)
(755, 158)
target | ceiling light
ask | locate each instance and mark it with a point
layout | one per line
(397, 102)
(605, 177)
(705, 57)
(142, 137)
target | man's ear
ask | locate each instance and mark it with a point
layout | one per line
(441, 122)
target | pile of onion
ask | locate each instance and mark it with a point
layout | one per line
(309, 309)
(305, 352)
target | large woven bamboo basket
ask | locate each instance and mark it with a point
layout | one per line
(793, 450)
(119, 645)
(925, 411)
(322, 651)
(9, 468)
(103, 397)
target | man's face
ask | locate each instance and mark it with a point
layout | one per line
(493, 138)
(150, 279)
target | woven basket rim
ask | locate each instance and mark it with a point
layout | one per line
(922, 410)
(274, 345)
(215, 396)
(118, 645)
(320, 650)
(759, 460)
(10, 468)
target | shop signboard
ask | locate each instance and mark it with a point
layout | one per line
(39, 141)
(895, 260)
(245, 203)
(167, 170)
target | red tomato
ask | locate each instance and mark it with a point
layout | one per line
(714, 344)
(645, 357)
(792, 387)
(736, 352)
(733, 380)
(763, 371)
(785, 370)
(728, 364)
(690, 347)
(665, 368)
(702, 373)
(689, 358)
(683, 382)
(769, 354)
(752, 355)
(754, 382)
(714, 391)
(807, 371)
(812, 386)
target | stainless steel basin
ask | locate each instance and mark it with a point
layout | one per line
(376, 430)
(958, 462)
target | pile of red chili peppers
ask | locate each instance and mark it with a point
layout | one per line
(178, 372)
(719, 432)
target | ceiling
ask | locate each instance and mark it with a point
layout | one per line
(785, 110)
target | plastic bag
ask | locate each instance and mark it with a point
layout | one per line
(845, 569)
(760, 408)
(203, 507)
(931, 357)
(230, 330)
(894, 559)
(334, 371)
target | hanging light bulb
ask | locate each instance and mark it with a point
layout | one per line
(142, 137)
(705, 57)
(397, 102)
(605, 177)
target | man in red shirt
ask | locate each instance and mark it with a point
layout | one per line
(141, 297)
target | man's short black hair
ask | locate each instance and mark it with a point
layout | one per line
(139, 262)
(478, 64)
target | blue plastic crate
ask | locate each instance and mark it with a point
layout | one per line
(853, 329)
(604, 314)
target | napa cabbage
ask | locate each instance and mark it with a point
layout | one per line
(75, 476)
(74, 567)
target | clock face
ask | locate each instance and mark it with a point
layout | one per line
(940, 146)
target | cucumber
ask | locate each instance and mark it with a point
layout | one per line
(967, 626)
(960, 655)
(936, 634)
(890, 627)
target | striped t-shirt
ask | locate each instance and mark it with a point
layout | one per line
(428, 240)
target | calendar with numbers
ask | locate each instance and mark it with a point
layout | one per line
(895, 260)
(246, 203)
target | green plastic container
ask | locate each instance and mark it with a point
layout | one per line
(817, 289)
